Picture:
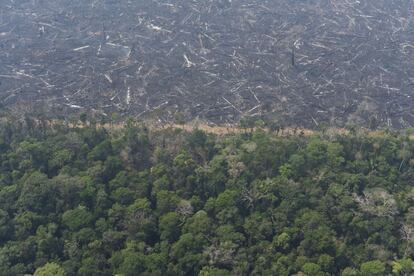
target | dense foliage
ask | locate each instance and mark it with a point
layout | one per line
(82, 201)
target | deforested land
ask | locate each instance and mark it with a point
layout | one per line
(302, 62)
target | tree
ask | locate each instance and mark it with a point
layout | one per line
(281, 242)
(166, 201)
(50, 269)
(403, 267)
(247, 122)
(373, 123)
(131, 260)
(225, 207)
(37, 193)
(258, 227)
(101, 151)
(349, 271)
(140, 223)
(83, 117)
(315, 153)
(179, 118)
(115, 117)
(77, 218)
(213, 271)
(170, 226)
(372, 268)
(312, 269)
(187, 254)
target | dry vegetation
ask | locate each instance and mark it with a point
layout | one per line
(298, 62)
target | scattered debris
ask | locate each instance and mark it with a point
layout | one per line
(217, 60)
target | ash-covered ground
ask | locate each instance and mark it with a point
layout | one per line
(302, 62)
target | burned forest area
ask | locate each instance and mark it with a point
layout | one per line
(298, 62)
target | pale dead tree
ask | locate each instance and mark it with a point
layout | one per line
(126, 156)
(185, 208)
(248, 196)
(235, 166)
(139, 215)
(249, 147)
(378, 252)
(407, 227)
(221, 254)
(407, 235)
(237, 169)
(404, 154)
(251, 196)
(377, 202)
(71, 248)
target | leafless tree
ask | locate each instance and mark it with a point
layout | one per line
(185, 208)
(377, 202)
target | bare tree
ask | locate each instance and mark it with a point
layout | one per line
(377, 202)
(407, 235)
(221, 254)
(185, 208)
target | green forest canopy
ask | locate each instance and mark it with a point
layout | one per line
(83, 201)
